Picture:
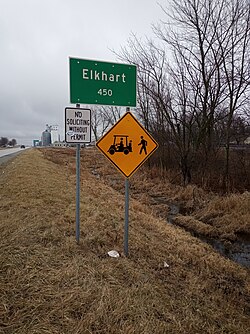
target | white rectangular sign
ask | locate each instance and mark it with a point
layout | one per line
(77, 125)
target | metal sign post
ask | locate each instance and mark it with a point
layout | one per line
(78, 157)
(127, 145)
(78, 148)
(126, 216)
(77, 131)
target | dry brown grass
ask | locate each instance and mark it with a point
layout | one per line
(194, 225)
(49, 284)
(229, 215)
(224, 217)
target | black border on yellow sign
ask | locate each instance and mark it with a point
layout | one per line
(138, 166)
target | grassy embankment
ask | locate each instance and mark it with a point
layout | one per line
(224, 221)
(49, 284)
(221, 217)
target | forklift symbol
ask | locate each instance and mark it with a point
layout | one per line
(121, 144)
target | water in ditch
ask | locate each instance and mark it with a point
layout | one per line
(238, 251)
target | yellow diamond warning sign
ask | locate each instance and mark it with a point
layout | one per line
(127, 144)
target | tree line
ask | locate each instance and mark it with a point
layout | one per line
(4, 141)
(193, 82)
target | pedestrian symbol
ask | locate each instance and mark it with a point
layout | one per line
(127, 144)
(143, 144)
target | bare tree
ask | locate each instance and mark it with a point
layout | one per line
(239, 130)
(103, 117)
(191, 38)
(202, 80)
(152, 87)
(4, 141)
(12, 142)
(234, 46)
(210, 41)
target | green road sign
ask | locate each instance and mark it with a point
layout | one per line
(98, 82)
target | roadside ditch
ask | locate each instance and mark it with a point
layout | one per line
(237, 251)
(166, 206)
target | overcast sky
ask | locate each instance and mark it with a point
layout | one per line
(37, 38)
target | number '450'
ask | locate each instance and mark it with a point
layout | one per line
(105, 92)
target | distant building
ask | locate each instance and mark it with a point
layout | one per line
(36, 142)
(50, 135)
(46, 138)
(54, 134)
(60, 144)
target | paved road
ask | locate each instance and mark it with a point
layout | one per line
(9, 153)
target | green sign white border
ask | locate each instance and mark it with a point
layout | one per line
(109, 63)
